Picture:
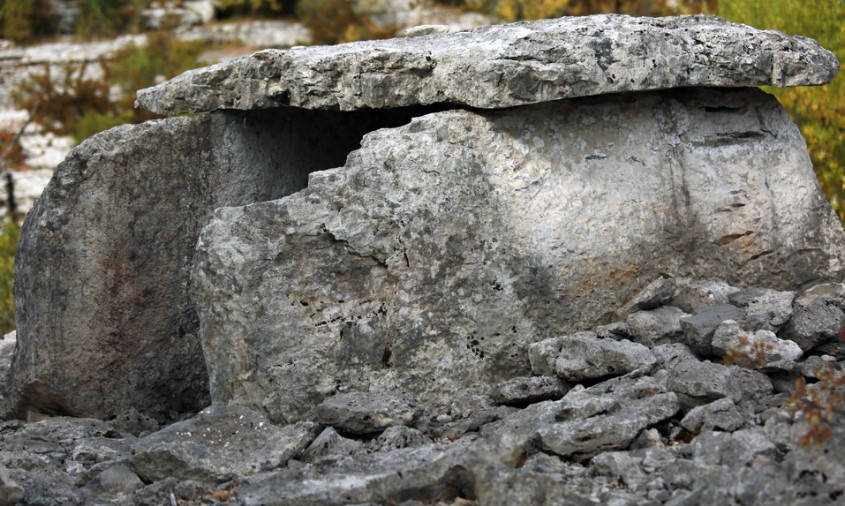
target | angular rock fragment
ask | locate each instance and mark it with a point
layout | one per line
(583, 355)
(698, 328)
(721, 414)
(764, 309)
(218, 444)
(657, 326)
(701, 382)
(399, 436)
(330, 444)
(509, 65)
(655, 294)
(608, 426)
(529, 389)
(694, 294)
(758, 350)
(819, 315)
(391, 272)
(365, 412)
(422, 473)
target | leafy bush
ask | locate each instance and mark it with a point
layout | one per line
(513, 10)
(818, 404)
(8, 242)
(336, 21)
(59, 101)
(818, 111)
(72, 103)
(233, 8)
(21, 20)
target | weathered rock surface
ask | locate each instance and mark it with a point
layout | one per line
(819, 315)
(391, 272)
(583, 355)
(529, 389)
(102, 274)
(757, 350)
(699, 327)
(680, 433)
(218, 444)
(365, 412)
(657, 326)
(508, 65)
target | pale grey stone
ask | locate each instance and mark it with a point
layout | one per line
(694, 294)
(764, 309)
(366, 412)
(812, 365)
(10, 492)
(819, 315)
(704, 381)
(655, 294)
(392, 271)
(721, 414)
(102, 270)
(761, 350)
(399, 436)
(330, 444)
(584, 430)
(116, 480)
(508, 65)
(384, 477)
(529, 389)
(219, 444)
(614, 330)
(583, 355)
(657, 326)
(698, 328)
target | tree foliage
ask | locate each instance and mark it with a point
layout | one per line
(818, 111)
(8, 241)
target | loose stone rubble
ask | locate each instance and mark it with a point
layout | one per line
(600, 300)
(678, 430)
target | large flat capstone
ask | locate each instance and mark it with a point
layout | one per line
(507, 65)
(443, 248)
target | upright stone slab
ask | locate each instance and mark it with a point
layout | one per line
(104, 318)
(442, 248)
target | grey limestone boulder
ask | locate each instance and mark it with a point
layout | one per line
(393, 272)
(699, 327)
(583, 355)
(366, 412)
(529, 389)
(756, 350)
(508, 65)
(721, 414)
(657, 326)
(219, 443)
(103, 311)
(819, 315)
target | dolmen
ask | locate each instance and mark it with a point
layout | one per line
(573, 261)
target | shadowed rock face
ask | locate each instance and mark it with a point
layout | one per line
(104, 316)
(503, 66)
(443, 248)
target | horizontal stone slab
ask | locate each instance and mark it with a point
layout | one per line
(503, 66)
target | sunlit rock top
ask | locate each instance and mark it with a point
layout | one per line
(503, 66)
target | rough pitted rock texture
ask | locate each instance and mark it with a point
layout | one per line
(443, 248)
(631, 439)
(105, 321)
(508, 65)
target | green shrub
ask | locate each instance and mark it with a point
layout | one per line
(513, 10)
(336, 21)
(236, 8)
(8, 242)
(818, 111)
(80, 106)
(21, 20)
(59, 101)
